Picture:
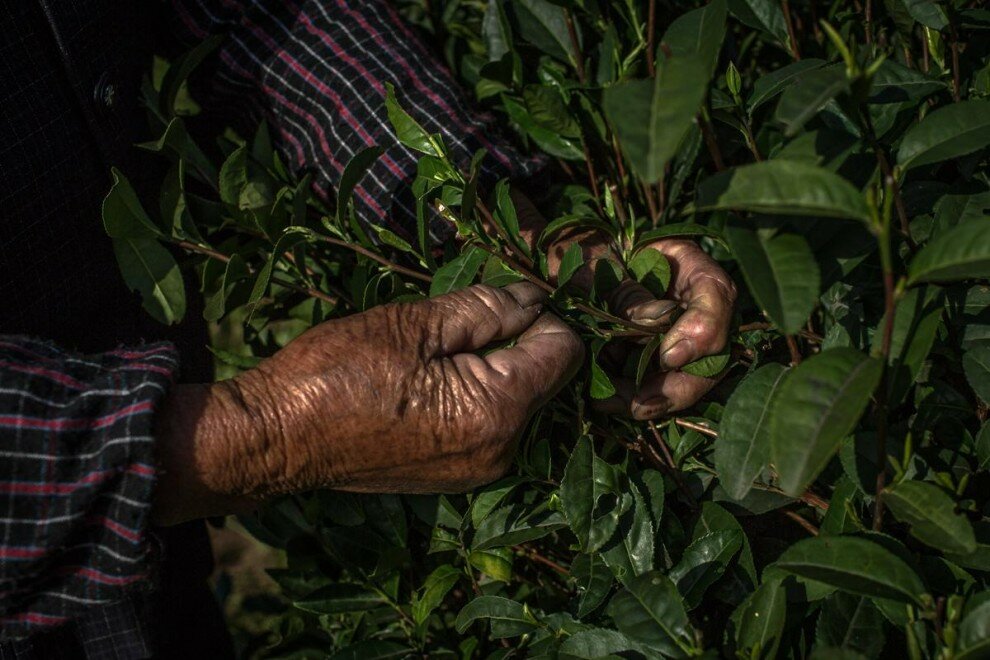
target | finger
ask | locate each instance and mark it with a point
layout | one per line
(472, 318)
(703, 329)
(633, 301)
(665, 392)
(709, 295)
(541, 362)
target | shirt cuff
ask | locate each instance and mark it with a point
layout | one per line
(78, 474)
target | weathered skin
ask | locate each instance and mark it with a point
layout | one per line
(698, 285)
(397, 399)
(401, 398)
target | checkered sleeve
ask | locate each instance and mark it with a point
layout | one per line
(317, 70)
(76, 477)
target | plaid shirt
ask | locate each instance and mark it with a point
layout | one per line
(76, 446)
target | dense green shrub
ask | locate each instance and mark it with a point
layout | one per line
(830, 498)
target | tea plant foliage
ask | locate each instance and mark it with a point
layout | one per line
(830, 498)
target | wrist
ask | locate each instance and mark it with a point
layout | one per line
(217, 447)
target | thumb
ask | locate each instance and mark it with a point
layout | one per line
(544, 359)
(472, 318)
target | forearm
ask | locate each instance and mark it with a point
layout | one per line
(203, 440)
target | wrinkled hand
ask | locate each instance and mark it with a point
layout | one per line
(698, 285)
(397, 399)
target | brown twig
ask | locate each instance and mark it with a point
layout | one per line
(786, 7)
(711, 143)
(811, 529)
(700, 428)
(546, 286)
(675, 473)
(537, 557)
(489, 220)
(219, 256)
(868, 14)
(592, 176)
(651, 30)
(375, 257)
(576, 45)
(760, 325)
(792, 346)
(954, 50)
(808, 497)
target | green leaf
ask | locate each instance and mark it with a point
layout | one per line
(932, 516)
(926, 12)
(808, 94)
(974, 633)
(708, 366)
(570, 263)
(216, 304)
(355, 170)
(372, 649)
(896, 83)
(760, 620)
(176, 142)
(289, 239)
(783, 188)
(699, 32)
(743, 447)
(976, 365)
(594, 581)
(651, 269)
(646, 357)
(649, 611)
(543, 24)
(458, 273)
(949, 132)
(234, 176)
(435, 588)
(631, 551)
(509, 618)
(512, 525)
(150, 270)
(850, 622)
(678, 229)
(769, 86)
(763, 15)
(123, 214)
(652, 117)
(547, 108)
(824, 398)
(496, 32)
(496, 563)
(960, 253)
(703, 563)
(855, 565)
(179, 72)
(601, 385)
(982, 447)
(781, 273)
(596, 643)
(339, 598)
(587, 479)
(408, 130)
(916, 321)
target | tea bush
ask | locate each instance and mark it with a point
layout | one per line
(829, 499)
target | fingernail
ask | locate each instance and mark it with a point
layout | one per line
(526, 294)
(676, 356)
(653, 311)
(651, 408)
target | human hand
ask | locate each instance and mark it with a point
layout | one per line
(396, 399)
(698, 285)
